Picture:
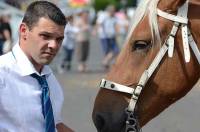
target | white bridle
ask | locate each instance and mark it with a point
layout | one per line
(188, 41)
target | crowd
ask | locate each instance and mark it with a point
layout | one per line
(111, 28)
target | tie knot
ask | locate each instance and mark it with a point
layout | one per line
(41, 79)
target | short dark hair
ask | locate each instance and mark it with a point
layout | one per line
(39, 9)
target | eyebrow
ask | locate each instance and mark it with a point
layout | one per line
(47, 33)
(61, 37)
(50, 34)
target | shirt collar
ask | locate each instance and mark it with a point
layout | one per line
(26, 67)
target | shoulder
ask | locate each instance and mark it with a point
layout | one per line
(54, 86)
(6, 59)
(7, 62)
(4, 67)
(52, 81)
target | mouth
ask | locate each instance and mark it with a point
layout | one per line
(48, 54)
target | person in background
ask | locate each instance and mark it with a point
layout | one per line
(69, 43)
(98, 31)
(109, 27)
(31, 97)
(1, 36)
(83, 39)
(122, 28)
(7, 32)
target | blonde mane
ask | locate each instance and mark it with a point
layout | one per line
(146, 7)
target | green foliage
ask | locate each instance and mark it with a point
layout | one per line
(102, 4)
(132, 3)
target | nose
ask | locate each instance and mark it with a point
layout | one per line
(99, 122)
(105, 122)
(53, 44)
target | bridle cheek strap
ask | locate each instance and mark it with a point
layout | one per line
(106, 84)
(193, 46)
(187, 38)
(180, 19)
(145, 77)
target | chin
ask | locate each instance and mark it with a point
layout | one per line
(45, 62)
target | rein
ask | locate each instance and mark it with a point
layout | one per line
(132, 124)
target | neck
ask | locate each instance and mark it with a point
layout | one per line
(37, 66)
(194, 7)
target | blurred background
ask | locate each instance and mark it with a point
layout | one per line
(16, 8)
(84, 60)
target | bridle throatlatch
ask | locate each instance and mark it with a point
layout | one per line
(132, 124)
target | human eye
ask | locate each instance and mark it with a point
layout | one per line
(45, 36)
(59, 40)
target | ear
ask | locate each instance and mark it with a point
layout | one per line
(23, 31)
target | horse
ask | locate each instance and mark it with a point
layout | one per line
(158, 65)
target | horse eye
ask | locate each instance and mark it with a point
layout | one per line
(141, 45)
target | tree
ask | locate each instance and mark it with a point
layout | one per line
(102, 4)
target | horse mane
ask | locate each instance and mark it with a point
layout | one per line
(146, 7)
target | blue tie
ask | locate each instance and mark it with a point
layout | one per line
(47, 110)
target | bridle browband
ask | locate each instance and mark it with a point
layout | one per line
(132, 124)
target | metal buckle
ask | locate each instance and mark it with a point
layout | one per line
(132, 124)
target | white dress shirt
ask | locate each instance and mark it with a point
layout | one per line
(20, 94)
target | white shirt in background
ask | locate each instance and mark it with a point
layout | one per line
(100, 19)
(70, 36)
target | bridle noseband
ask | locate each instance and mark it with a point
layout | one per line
(132, 124)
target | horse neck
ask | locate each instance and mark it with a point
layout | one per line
(172, 5)
(194, 20)
(194, 8)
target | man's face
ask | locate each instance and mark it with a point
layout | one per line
(43, 41)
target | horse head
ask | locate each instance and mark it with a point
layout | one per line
(158, 64)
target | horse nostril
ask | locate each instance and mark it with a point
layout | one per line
(100, 122)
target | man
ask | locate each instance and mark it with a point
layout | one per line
(109, 28)
(30, 97)
(1, 36)
(68, 43)
(7, 32)
(83, 39)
